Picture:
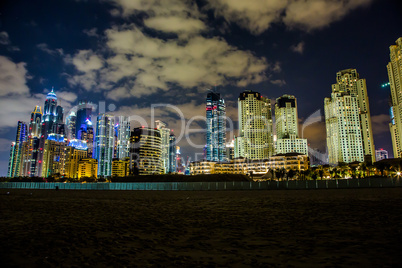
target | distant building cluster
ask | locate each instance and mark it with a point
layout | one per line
(42, 149)
(111, 148)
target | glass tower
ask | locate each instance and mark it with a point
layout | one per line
(15, 161)
(104, 144)
(216, 127)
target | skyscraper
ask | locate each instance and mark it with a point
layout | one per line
(347, 118)
(71, 124)
(104, 144)
(123, 138)
(165, 143)
(216, 127)
(52, 123)
(30, 154)
(286, 122)
(145, 151)
(15, 161)
(394, 68)
(83, 113)
(35, 123)
(255, 125)
(172, 153)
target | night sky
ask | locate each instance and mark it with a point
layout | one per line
(131, 54)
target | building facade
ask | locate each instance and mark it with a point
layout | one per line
(121, 167)
(16, 154)
(123, 137)
(216, 127)
(394, 69)
(165, 140)
(75, 151)
(172, 154)
(381, 154)
(348, 121)
(289, 161)
(87, 168)
(104, 144)
(145, 151)
(287, 127)
(54, 156)
(255, 139)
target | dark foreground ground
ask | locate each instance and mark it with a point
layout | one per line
(315, 228)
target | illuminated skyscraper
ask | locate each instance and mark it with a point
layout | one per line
(172, 153)
(123, 138)
(255, 125)
(145, 151)
(11, 160)
(30, 154)
(52, 123)
(347, 118)
(15, 161)
(394, 68)
(165, 141)
(216, 127)
(71, 124)
(83, 114)
(104, 144)
(286, 122)
(35, 123)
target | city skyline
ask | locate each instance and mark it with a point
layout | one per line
(281, 56)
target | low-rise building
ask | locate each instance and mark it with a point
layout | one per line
(120, 167)
(294, 161)
(88, 167)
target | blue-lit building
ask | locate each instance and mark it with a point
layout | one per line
(216, 127)
(104, 144)
(52, 119)
(52, 123)
(82, 115)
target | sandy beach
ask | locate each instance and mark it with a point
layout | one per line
(302, 228)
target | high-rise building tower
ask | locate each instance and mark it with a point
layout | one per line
(216, 127)
(172, 153)
(35, 123)
(15, 161)
(123, 138)
(286, 122)
(165, 141)
(255, 125)
(145, 151)
(348, 121)
(11, 161)
(50, 108)
(83, 113)
(71, 124)
(52, 123)
(394, 68)
(30, 154)
(104, 144)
